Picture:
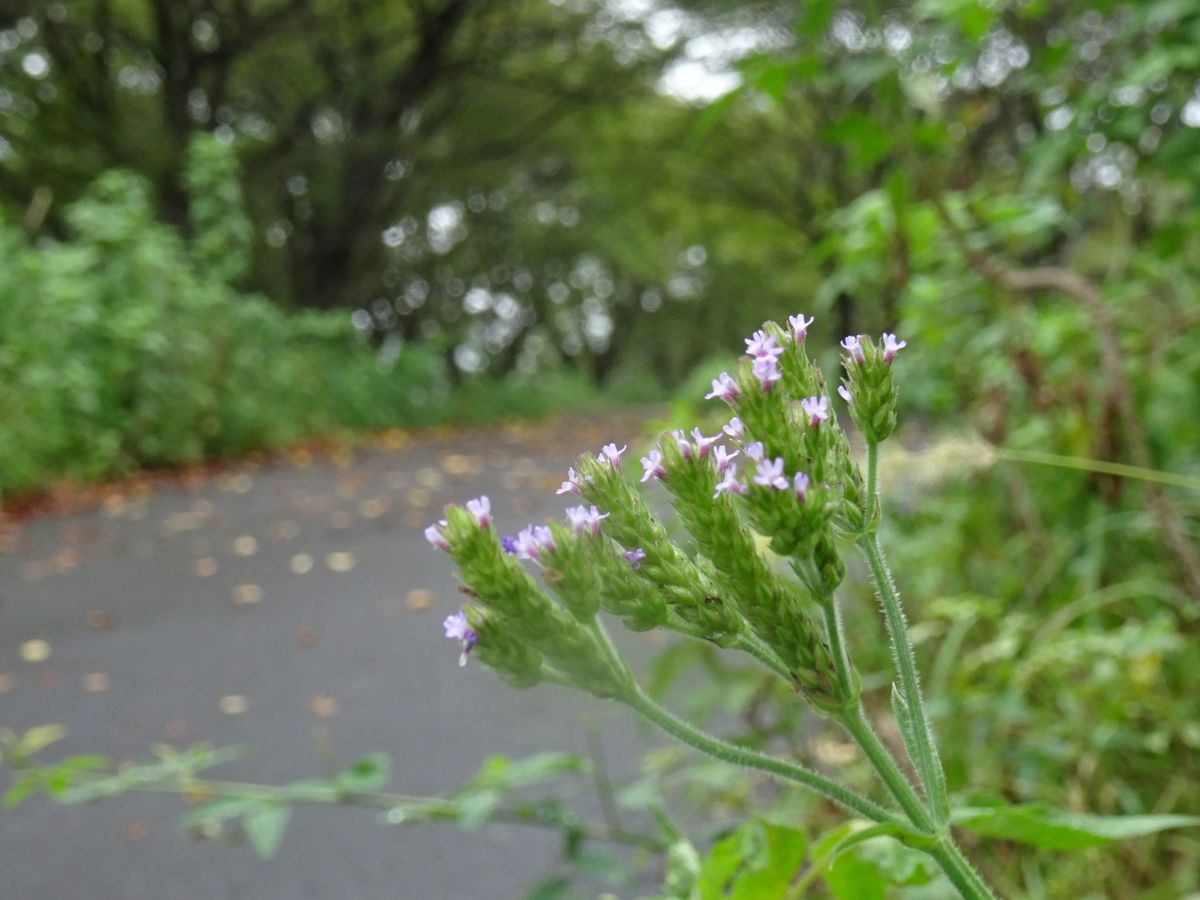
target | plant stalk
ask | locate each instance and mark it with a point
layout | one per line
(742, 756)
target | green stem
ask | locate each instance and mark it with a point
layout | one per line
(418, 808)
(757, 648)
(960, 872)
(856, 723)
(918, 738)
(742, 756)
(837, 646)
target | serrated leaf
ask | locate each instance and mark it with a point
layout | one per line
(265, 825)
(1056, 829)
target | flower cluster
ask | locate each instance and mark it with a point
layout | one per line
(798, 486)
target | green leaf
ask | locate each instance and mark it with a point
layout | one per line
(504, 773)
(265, 824)
(723, 860)
(38, 738)
(371, 773)
(475, 806)
(774, 870)
(555, 887)
(19, 791)
(1056, 829)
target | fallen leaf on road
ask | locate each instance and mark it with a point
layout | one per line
(205, 567)
(135, 832)
(340, 561)
(419, 600)
(233, 704)
(373, 508)
(35, 651)
(7, 683)
(96, 683)
(322, 706)
(417, 498)
(285, 530)
(306, 637)
(301, 563)
(247, 594)
(245, 545)
(101, 620)
(340, 520)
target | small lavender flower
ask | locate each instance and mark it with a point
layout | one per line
(610, 454)
(458, 629)
(585, 519)
(891, 347)
(508, 544)
(762, 345)
(703, 443)
(852, 345)
(729, 484)
(532, 541)
(434, 535)
(800, 485)
(723, 388)
(721, 457)
(816, 408)
(481, 509)
(735, 429)
(682, 442)
(635, 557)
(799, 327)
(770, 474)
(755, 451)
(766, 370)
(844, 393)
(652, 466)
(571, 485)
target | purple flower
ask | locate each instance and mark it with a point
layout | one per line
(735, 429)
(459, 629)
(799, 327)
(721, 457)
(723, 388)
(635, 557)
(816, 408)
(762, 345)
(533, 540)
(766, 370)
(652, 466)
(481, 509)
(703, 443)
(434, 535)
(844, 393)
(681, 441)
(770, 474)
(508, 544)
(891, 347)
(571, 485)
(800, 485)
(729, 484)
(610, 454)
(755, 451)
(584, 519)
(853, 346)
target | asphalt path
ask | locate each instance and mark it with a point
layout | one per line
(293, 608)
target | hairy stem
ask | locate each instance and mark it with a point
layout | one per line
(856, 723)
(918, 738)
(742, 756)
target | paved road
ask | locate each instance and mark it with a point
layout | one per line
(270, 607)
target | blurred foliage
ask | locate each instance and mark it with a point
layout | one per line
(119, 348)
(1011, 185)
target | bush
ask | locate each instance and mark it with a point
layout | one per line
(125, 346)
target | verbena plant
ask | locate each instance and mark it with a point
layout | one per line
(801, 488)
(782, 471)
